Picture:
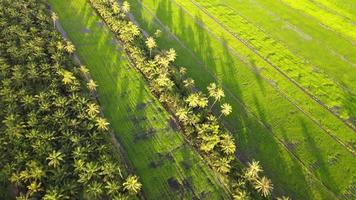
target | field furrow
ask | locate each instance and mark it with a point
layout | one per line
(249, 91)
(168, 168)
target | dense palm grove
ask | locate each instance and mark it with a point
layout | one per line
(54, 144)
(192, 108)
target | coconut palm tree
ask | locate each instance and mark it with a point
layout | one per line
(241, 195)
(93, 109)
(151, 44)
(164, 82)
(54, 19)
(203, 102)
(132, 185)
(79, 164)
(34, 187)
(60, 46)
(102, 124)
(264, 186)
(55, 158)
(69, 47)
(112, 187)
(215, 92)
(189, 83)
(92, 85)
(227, 144)
(197, 100)
(125, 7)
(226, 109)
(68, 77)
(182, 71)
(53, 194)
(158, 33)
(109, 169)
(209, 142)
(84, 70)
(162, 61)
(193, 100)
(253, 169)
(182, 114)
(115, 8)
(171, 55)
(222, 165)
(94, 189)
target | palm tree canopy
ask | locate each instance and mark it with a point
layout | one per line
(215, 91)
(69, 47)
(54, 16)
(102, 123)
(93, 109)
(226, 109)
(151, 43)
(92, 85)
(68, 77)
(264, 186)
(112, 187)
(253, 169)
(193, 100)
(125, 7)
(132, 185)
(222, 165)
(115, 8)
(171, 55)
(83, 69)
(158, 33)
(197, 100)
(227, 145)
(182, 114)
(189, 83)
(55, 158)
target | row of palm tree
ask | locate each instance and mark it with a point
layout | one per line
(194, 109)
(54, 144)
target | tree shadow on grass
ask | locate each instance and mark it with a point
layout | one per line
(319, 166)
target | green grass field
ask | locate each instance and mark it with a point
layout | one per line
(166, 165)
(305, 148)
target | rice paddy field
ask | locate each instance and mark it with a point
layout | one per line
(289, 74)
(202, 99)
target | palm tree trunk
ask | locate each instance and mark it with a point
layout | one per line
(212, 105)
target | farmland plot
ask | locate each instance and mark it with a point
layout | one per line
(275, 117)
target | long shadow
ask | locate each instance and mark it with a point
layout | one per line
(319, 165)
